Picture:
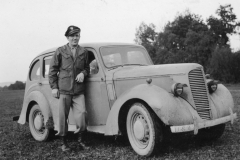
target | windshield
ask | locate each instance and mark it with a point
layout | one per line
(114, 56)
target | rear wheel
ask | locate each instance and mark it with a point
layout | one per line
(211, 133)
(143, 129)
(36, 124)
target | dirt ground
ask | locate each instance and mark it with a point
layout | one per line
(16, 141)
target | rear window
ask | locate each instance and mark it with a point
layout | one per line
(46, 65)
(35, 71)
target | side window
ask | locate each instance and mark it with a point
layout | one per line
(93, 63)
(46, 65)
(35, 71)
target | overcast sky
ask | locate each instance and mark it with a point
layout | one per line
(28, 27)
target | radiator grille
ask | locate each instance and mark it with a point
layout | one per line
(199, 92)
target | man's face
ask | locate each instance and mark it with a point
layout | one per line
(74, 39)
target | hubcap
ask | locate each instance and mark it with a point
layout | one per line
(139, 129)
(38, 122)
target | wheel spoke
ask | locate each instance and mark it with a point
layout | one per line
(38, 114)
(138, 117)
(142, 129)
(36, 124)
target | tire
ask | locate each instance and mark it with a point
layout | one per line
(36, 124)
(143, 129)
(212, 133)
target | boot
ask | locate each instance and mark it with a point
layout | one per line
(64, 146)
(80, 141)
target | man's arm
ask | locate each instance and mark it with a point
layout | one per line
(53, 70)
(86, 70)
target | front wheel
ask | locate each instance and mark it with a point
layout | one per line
(143, 129)
(36, 124)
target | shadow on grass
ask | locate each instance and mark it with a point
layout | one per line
(178, 143)
(105, 147)
(185, 143)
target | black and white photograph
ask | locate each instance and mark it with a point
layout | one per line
(119, 79)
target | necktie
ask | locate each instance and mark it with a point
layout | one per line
(73, 52)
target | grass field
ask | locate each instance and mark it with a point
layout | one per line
(16, 141)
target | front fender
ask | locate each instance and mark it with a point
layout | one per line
(170, 109)
(39, 98)
(221, 102)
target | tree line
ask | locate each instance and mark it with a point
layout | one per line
(188, 39)
(18, 85)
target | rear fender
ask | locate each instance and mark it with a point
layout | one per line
(170, 109)
(35, 97)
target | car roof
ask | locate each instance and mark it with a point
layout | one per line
(95, 45)
(90, 45)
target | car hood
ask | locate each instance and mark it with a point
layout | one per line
(132, 72)
(163, 76)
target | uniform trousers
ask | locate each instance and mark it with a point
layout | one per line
(79, 112)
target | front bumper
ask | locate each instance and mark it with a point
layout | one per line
(208, 123)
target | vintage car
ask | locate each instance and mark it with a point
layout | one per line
(127, 95)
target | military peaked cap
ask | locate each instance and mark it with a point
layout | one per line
(72, 30)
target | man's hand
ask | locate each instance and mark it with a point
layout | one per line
(55, 93)
(80, 77)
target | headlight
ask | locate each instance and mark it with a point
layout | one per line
(177, 89)
(207, 76)
(212, 86)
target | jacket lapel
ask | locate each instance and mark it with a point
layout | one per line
(79, 51)
(66, 51)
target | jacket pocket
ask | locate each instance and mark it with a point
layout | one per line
(79, 88)
(64, 82)
(66, 61)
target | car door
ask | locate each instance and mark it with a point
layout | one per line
(46, 90)
(45, 87)
(96, 97)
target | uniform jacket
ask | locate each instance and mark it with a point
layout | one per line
(64, 70)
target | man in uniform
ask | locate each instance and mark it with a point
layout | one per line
(68, 69)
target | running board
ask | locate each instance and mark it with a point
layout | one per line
(95, 129)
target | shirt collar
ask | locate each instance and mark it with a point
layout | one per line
(72, 47)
